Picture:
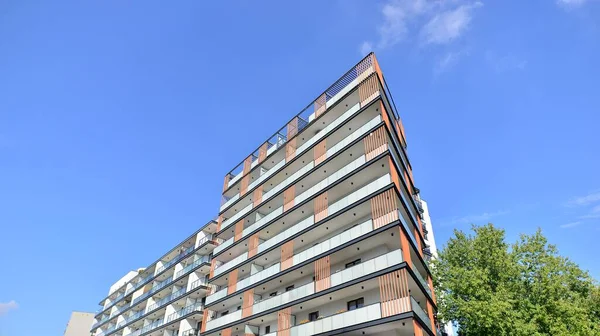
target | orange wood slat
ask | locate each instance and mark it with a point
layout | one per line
(247, 165)
(288, 197)
(257, 196)
(253, 245)
(244, 185)
(292, 128)
(232, 282)
(290, 150)
(321, 207)
(368, 89)
(219, 222)
(384, 208)
(262, 152)
(204, 320)
(405, 247)
(430, 313)
(287, 252)
(430, 283)
(320, 153)
(213, 264)
(226, 182)
(247, 303)
(394, 294)
(394, 174)
(417, 328)
(322, 274)
(284, 322)
(320, 105)
(239, 229)
(375, 143)
(226, 332)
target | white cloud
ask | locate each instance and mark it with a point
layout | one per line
(571, 3)
(480, 218)
(585, 200)
(365, 48)
(448, 61)
(570, 225)
(593, 213)
(448, 25)
(5, 307)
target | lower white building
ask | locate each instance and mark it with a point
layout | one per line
(79, 324)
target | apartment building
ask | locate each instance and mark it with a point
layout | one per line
(319, 232)
(79, 324)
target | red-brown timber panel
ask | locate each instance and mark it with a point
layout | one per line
(394, 174)
(247, 303)
(226, 182)
(368, 89)
(384, 208)
(394, 294)
(430, 313)
(320, 152)
(219, 222)
(287, 252)
(416, 234)
(257, 196)
(321, 207)
(430, 283)
(400, 129)
(213, 264)
(232, 281)
(410, 189)
(204, 320)
(284, 321)
(288, 198)
(239, 229)
(262, 152)
(253, 245)
(290, 150)
(322, 274)
(375, 143)
(226, 332)
(247, 165)
(244, 185)
(376, 67)
(320, 105)
(417, 328)
(292, 128)
(385, 117)
(405, 247)
(364, 68)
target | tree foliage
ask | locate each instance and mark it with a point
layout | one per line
(488, 287)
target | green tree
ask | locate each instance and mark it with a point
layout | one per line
(488, 287)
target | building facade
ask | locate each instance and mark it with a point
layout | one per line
(79, 324)
(319, 232)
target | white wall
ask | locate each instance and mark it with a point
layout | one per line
(127, 277)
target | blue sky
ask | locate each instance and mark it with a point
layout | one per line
(119, 119)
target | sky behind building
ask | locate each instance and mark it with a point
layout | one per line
(118, 121)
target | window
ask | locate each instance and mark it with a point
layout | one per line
(267, 329)
(273, 294)
(225, 313)
(353, 263)
(239, 307)
(289, 288)
(355, 304)
(313, 316)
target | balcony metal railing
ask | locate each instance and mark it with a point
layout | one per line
(196, 263)
(180, 256)
(186, 310)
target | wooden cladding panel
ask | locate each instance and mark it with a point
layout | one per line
(213, 264)
(364, 68)
(226, 332)
(290, 150)
(376, 67)
(385, 117)
(239, 229)
(405, 247)
(430, 313)
(284, 321)
(320, 152)
(418, 331)
(248, 301)
(204, 320)
(219, 222)
(384, 208)
(244, 185)
(322, 274)
(320, 105)
(292, 128)
(394, 174)
(368, 90)
(232, 281)
(321, 207)
(247, 165)
(430, 283)
(394, 294)
(226, 182)
(262, 152)
(252, 245)
(419, 247)
(288, 198)
(410, 188)
(287, 252)
(375, 143)
(257, 196)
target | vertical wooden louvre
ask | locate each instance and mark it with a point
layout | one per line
(219, 222)
(417, 328)
(239, 228)
(287, 252)
(430, 313)
(320, 152)
(226, 182)
(226, 332)
(321, 207)
(288, 198)
(257, 196)
(290, 150)
(384, 208)
(394, 294)
(322, 274)
(205, 319)
(430, 283)
(252, 245)
(375, 143)
(232, 281)
(262, 152)
(394, 174)
(320, 105)
(368, 90)
(213, 264)
(284, 322)
(248, 301)
(405, 247)
(364, 68)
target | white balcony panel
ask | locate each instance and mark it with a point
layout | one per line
(216, 296)
(376, 264)
(355, 135)
(330, 180)
(226, 223)
(359, 194)
(333, 242)
(266, 273)
(223, 320)
(223, 245)
(231, 263)
(342, 92)
(262, 221)
(230, 201)
(235, 179)
(266, 174)
(283, 298)
(303, 224)
(289, 180)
